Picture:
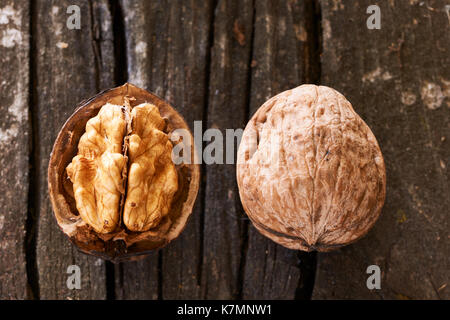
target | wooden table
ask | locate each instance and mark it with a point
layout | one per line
(218, 61)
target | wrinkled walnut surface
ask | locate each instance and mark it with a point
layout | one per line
(152, 179)
(310, 172)
(98, 171)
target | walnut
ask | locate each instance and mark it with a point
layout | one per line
(311, 175)
(152, 178)
(114, 188)
(97, 171)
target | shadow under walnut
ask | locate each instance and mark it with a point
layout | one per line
(121, 244)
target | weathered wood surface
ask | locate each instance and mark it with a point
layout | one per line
(14, 146)
(68, 66)
(224, 222)
(217, 62)
(397, 79)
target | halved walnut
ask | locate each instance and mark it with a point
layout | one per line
(114, 189)
(98, 172)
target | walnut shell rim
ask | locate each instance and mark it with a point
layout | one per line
(309, 200)
(125, 245)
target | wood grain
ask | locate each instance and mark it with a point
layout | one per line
(70, 65)
(14, 146)
(228, 100)
(397, 79)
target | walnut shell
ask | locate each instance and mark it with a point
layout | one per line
(311, 175)
(120, 243)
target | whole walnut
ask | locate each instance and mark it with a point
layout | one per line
(310, 172)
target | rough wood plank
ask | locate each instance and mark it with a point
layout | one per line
(68, 68)
(14, 146)
(282, 59)
(228, 101)
(397, 79)
(168, 58)
(185, 73)
(137, 280)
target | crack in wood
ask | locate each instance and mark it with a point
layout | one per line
(210, 43)
(245, 223)
(119, 40)
(34, 159)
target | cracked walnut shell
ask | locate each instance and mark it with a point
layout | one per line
(114, 188)
(311, 175)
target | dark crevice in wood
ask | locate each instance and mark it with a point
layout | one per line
(118, 272)
(307, 262)
(202, 221)
(30, 245)
(244, 249)
(110, 281)
(313, 15)
(312, 74)
(120, 51)
(210, 44)
(96, 48)
(160, 275)
(249, 64)
(120, 77)
(245, 222)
